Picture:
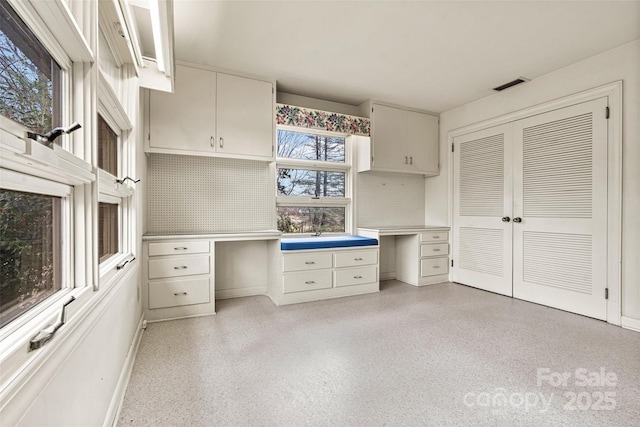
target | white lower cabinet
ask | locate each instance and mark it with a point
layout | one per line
(179, 279)
(316, 274)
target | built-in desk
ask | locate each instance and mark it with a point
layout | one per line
(185, 273)
(421, 252)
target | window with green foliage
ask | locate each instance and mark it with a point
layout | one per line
(312, 182)
(30, 79)
(30, 251)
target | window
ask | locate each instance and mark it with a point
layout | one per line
(108, 229)
(30, 79)
(107, 148)
(313, 176)
(30, 251)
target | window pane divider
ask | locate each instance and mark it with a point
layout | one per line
(328, 202)
(318, 165)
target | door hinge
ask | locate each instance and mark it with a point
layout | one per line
(452, 149)
(451, 263)
(606, 293)
(607, 113)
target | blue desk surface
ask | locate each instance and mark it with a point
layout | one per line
(298, 243)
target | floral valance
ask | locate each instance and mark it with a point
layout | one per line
(325, 120)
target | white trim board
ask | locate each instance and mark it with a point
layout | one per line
(113, 412)
(613, 92)
(630, 323)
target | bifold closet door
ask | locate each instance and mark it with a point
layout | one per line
(482, 233)
(560, 209)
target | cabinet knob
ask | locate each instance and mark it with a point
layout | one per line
(221, 142)
(506, 219)
(517, 220)
(211, 142)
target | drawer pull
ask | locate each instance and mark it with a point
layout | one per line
(180, 267)
(309, 282)
(357, 277)
(436, 250)
(179, 293)
(436, 266)
(310, 262)
(183, 248)
(435, 237)
(358, 259)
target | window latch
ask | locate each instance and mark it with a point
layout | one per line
(48, 138)
(127, 178)
(45, 335)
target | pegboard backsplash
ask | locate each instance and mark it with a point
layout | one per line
(390, 199)
(188, 194)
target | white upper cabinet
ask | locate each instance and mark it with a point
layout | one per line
(213, 114)
(245, 116)
(401, 141)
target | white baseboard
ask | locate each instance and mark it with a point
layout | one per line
(387, 275)
(113, 412)
(241, 292)
(631, 323)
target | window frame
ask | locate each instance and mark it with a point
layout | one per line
(345, 167)
(68, 164)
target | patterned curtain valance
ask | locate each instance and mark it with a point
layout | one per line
(318, 119)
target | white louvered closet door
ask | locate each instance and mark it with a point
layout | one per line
(560, 193)
(482, 188)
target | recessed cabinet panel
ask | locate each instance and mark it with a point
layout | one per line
(434, 266)
(178, 266)
(356, 276)
(389, 138)
(437, 249)
(306, 281)
(185, 120)
(178, 248)
(307, 261)
(177, 293)
(356, 258)
(245, 116)
(422, 131)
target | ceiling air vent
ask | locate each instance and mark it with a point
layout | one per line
(511, 84)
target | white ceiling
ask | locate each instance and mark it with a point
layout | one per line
(428, 55)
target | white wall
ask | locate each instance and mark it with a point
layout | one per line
(622, 63)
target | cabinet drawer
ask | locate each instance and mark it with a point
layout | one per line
(178, 266)
(356, 276)
(307, 261)
(179, 292)
(306, 281)
(434, 249)
(356, 258)
(434, 266)
(434, 236)
(178, 248)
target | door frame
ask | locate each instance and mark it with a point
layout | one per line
(613, 93)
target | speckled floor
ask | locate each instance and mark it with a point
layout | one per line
(439, 355)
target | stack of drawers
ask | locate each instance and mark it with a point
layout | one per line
(326, 273)
(179, 279)
(434, 255)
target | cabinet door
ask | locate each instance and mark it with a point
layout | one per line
(245, 116)
(389, 138)
(185, 120)
(422, 142)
